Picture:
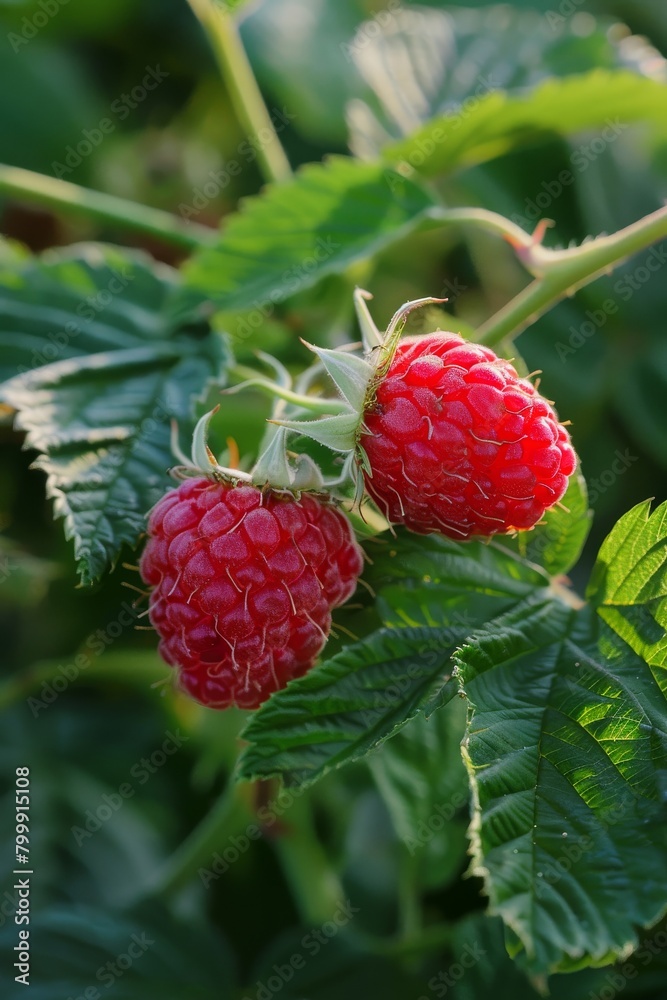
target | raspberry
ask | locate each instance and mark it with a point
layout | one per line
(244, 582)
(458, 443)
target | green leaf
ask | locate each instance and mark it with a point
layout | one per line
(353, 702)
(434, 581)
(556, 543)
(440, 63)
(287, 238)
(629, 585)
(631, 567)
(497, 122)
(97, 374)
(424, 784)
(477, 943)
(567, 751)
(349, 704)
(80, 947)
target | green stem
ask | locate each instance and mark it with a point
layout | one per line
(244, 93)
(54, 193)
(481, 217)
(562, 272)
(315, 404)
(315, 886)
(410, 908)
(229, 816)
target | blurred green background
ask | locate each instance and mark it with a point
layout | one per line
(66, 67)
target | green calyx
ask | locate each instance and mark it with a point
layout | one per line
(340, 424)
(337, 422)
(276, 469)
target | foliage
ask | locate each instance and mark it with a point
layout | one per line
(473, 711)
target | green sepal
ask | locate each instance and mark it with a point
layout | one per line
(339, 433)
(350, 374)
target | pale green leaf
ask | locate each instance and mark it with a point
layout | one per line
(292, 234)
(498, 122)
(439, 64)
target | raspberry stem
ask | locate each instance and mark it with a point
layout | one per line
(245, 95)
(34, 188)
(315, 886)
(563, 272)
(313, 403)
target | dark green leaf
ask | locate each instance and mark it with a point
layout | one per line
(567, 750)
(349, 704)
(434, 581)
(293, 234)
(137, 956)
(424, 784)
(96, 374)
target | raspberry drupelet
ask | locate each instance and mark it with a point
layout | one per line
(244, 582)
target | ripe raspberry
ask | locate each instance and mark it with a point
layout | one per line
(458, 443)
(244, 584)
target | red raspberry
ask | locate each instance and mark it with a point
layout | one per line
(459, 444)
(244, 584)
